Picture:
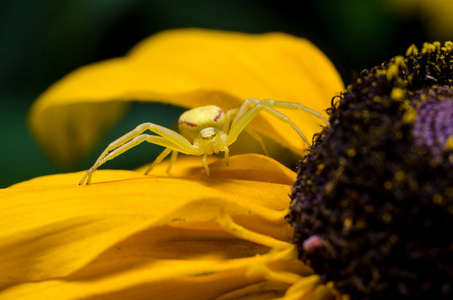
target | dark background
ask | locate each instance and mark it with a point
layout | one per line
(42, 40)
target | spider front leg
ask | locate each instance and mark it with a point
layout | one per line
(129, 145)
(246, 114)
(277, 104)
(167, 138)
(251, 132)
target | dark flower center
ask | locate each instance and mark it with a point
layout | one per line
(372, 206)
(434, 126)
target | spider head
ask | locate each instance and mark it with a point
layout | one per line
(210, 140)
(193, 121)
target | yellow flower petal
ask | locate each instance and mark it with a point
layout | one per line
(44, 229)
(171, 279)
(245, 166)
(137, 236)
(188, 67)
(263, 290)
(302, 289)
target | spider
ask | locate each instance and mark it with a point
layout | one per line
(205, 130)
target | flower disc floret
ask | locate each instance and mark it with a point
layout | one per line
(375, 187)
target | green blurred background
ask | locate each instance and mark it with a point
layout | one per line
(43, 40)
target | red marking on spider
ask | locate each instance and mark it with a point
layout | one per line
(312, 242)
(188, 123)
(218, 115)
(206, 139)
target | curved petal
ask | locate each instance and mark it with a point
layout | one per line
(244, 166)
(252, 167)
(190, 279)
(259, 291)
(57, 235)
(189, 68)
(143, 235)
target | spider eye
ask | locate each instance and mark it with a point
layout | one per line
(208, 133)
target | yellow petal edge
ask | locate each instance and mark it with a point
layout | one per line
(188, 68)
(133, 236)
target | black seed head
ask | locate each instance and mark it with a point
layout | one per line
(375, 190)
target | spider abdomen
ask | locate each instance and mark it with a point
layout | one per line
(193, 121)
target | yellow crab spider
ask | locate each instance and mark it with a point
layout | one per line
(203, 131)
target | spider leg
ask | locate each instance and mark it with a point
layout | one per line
(227, 156)
(162, 131)
(152, 139)
(205, 165)
(167, 138)
(257, 137)
(244, 107)
(246, 115)
(229, 114)
(173, 157)
(253, 133)
(277, 104)
(161, 157)
(158, 140)
(158, 159)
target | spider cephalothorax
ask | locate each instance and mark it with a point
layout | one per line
(205, 128)
(203, 131)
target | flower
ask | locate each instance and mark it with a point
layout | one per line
(189, 68)
(375, 191)
(177, 236)
(150, 236)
